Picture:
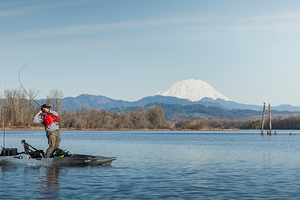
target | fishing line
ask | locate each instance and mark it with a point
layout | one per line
(28, 93)
(22, 85)
(41, 142)
(3, 148)
(3, 127)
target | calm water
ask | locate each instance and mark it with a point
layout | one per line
(162, 165)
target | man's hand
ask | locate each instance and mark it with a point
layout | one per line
(40, 112)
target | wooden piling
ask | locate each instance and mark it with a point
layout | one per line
(263, 120)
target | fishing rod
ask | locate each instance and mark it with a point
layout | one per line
(28, 93)
(23, 87)
(3, 148)
(4, 108)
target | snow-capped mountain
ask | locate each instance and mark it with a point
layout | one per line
(193, 90)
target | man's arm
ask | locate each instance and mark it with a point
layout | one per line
(37, 118)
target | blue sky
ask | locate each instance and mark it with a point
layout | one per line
(130, 49)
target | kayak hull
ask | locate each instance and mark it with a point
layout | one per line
(72, 160)
(34, 157)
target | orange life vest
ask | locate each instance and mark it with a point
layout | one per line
(49, 119)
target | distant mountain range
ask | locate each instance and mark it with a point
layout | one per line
(189, 99)
(102, 102)
(186, 92)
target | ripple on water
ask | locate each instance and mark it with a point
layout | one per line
(162, 165)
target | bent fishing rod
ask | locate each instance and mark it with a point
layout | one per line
(3, 147)
(28, 93)
(3, 124)
(23, 87)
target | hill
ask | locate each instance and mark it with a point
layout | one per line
(174, 112)
(102, 102)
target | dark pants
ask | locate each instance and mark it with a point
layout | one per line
(53, 141)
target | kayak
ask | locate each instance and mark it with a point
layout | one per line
(34, 157)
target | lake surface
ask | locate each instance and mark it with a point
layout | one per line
(161, 165)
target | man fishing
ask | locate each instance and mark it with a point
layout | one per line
(49, 118)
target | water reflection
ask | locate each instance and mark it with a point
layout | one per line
(41, 182)
(7, 169)
(51, 182)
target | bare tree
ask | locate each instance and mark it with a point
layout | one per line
(83, 114)
(54, 99)
(156, 116)
(125, 117)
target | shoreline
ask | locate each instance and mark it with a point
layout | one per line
(122, 129)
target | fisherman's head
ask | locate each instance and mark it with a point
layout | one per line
(45, 108)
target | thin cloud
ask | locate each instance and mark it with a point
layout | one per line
(280, 23)
(100, 28)
(276, 26)
(30, 9)
(277, 17)
(12, 13)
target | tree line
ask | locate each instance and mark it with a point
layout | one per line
(174, 112)
(291, 122)
(18, 111)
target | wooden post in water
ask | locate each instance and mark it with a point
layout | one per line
(270, 119)
(263, 120)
